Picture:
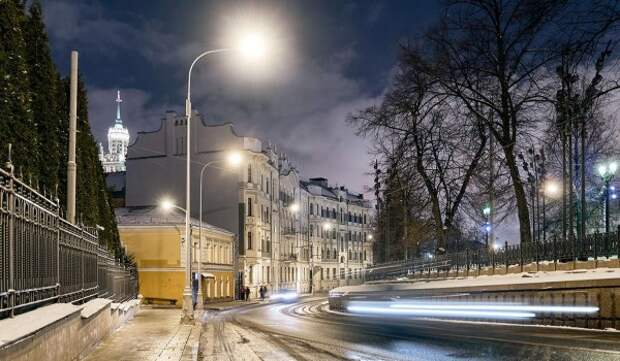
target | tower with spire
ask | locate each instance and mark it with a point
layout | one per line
(118, 140)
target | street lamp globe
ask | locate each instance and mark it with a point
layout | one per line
(612, 167)
(551, 188)
(166, 204)
(294, 207)
(234, 159)
(326, 226)
(496, 246)
(252, 45)
(602, 170)
(370, 237)
(486, 210)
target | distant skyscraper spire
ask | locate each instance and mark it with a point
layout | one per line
(118, 107)
(118, 141)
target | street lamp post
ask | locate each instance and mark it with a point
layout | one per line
(233, 159)
(188, 307)
(488, 227)
(250, 46)
(607, 172)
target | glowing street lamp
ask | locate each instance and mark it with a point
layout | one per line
(607, 172)
(168, 205)
(487, 213)
(250, 45)
(550, 188)
(294, 207)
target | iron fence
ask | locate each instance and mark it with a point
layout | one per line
(594, 247)
(44, 258)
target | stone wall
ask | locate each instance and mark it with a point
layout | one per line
(61, 331)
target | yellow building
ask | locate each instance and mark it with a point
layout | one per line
(155, 238)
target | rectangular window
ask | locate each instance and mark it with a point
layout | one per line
(249, 240)
(249, 207)
(249, 173)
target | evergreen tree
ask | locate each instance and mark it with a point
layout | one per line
(16, 123)
(93, 200)
(34, 113)
(43, 86)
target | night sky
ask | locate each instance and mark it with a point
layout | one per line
(332, 58)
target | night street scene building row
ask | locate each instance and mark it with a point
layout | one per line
(291, 233)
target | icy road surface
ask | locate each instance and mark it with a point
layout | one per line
(308, 331)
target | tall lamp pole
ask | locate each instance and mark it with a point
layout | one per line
(188, 307)
(233, 159)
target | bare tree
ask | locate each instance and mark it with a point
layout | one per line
(432, 136)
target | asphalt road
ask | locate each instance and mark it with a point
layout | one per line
(307, 330)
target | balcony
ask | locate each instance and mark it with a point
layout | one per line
(289, 258)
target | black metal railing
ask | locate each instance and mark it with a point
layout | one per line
(595, 246)
(44, 258)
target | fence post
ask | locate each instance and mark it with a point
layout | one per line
(11, 208)
(521, 256)
(595, 246)
(608, 245)
(618, 242)
(57, 250)
(537, 245)
(506, 255)
(493, 260)
(467, 262)
(555, 253)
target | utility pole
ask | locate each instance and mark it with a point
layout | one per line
(71, 165)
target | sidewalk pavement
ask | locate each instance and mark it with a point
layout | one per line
(153, 334)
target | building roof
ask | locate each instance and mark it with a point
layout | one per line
(155, 216)
(320, 187)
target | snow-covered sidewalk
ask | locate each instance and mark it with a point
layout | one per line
(154, 334)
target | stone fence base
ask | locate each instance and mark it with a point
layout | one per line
(62, 331)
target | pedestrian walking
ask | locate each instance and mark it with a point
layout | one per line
(247, 293)
(262, 293)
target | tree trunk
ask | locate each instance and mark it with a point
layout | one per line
(522, 209)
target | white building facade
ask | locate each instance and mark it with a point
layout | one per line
(274, 214)
(118, 141)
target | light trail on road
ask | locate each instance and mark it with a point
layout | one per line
(308, 330)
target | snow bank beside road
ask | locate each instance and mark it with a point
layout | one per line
(525, 278)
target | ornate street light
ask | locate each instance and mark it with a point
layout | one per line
(607, 172)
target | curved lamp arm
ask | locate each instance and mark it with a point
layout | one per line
(189, 73)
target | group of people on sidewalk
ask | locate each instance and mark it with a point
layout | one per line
(244, 293)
